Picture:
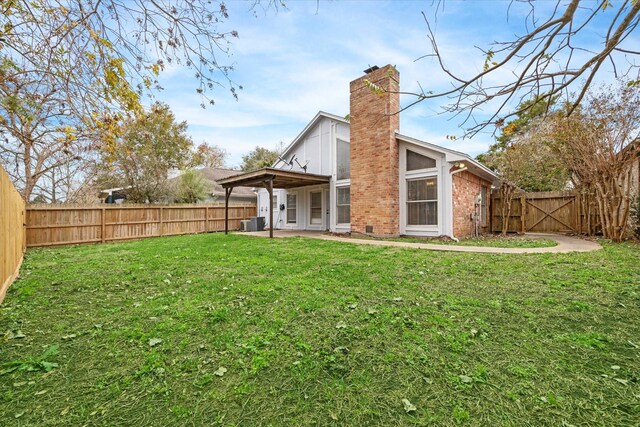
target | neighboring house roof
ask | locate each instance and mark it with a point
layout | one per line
(450, 155)
(213, 175)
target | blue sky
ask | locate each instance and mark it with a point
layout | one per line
(298, 61)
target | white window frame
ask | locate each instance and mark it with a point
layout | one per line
(404, 176)
(338, 187)
(337, 155)
(289, 208)
(311, 223)
(409, 202)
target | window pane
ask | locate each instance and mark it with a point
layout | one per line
(422, 213)
(291, 208)
(432, 213)
(422, 189)
(344, 214)
(343, 195)
(417, 161)
(343, 201)
(342, 155)
(316, 208)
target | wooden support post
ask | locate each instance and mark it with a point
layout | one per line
(227, 194)
(161, 223)
(103, 224)
(270, 190)
(206, 219)
(523, 210)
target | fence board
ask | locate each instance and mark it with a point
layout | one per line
(12, 233)
(545, 212)
(54, 225)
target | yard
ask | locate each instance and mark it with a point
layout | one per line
(232, 330)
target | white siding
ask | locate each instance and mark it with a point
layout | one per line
(316, 148)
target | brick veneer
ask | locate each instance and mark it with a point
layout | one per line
(374, 153)
(466, 187)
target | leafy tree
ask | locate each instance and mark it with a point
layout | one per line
(523, 157)
(208, 156)
(191, 187)
(260, 158)
(72, 71)
(555, 53)
(599, 144)
(150, 146)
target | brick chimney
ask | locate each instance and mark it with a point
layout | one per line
(374, 152)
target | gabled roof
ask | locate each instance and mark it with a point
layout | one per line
(453, 156)
(450, 155)
(319, 116)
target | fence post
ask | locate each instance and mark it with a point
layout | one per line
(161, 222)
(206, 219)
(523, 207)
(103, 224)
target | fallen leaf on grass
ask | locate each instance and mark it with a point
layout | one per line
(341, 325)
(408, 406)
(465, 379)
(154, 342)
(68, 337)
(220, 371)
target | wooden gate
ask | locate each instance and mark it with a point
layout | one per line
(545, 212)
(551, 212)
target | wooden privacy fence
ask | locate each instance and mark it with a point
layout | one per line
(12, 232)
(546, 212)
(60, 225)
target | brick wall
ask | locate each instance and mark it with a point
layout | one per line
(466, 187)
(374, 153)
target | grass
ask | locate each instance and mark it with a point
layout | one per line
(314, 332)
(493, 241)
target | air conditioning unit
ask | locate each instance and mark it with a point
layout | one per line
(245, 225)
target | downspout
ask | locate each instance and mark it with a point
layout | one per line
(458, 167)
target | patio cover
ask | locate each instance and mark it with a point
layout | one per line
(268, 178)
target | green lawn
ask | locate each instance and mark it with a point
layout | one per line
(315, 332)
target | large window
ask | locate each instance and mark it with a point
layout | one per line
(343, 205)
(417, 161)
(316, 207)
(292, 213)
(344, 165)
(422, 201)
